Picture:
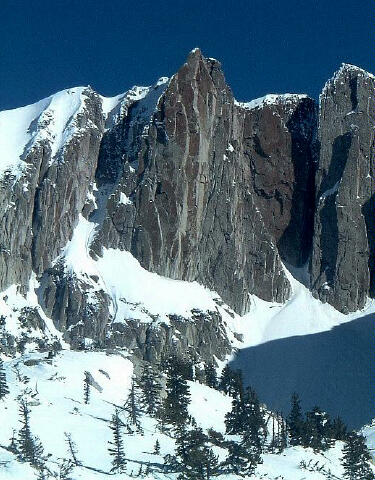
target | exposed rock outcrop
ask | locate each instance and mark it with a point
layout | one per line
(197, 187)
(216, 188)
(40, 208)
(343, 252)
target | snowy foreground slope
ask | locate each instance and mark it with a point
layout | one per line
(54, 389)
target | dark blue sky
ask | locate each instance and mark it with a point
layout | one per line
(265, 46)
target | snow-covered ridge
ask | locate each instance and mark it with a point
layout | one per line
(344, 70)
(54, 119)
(49, 119)
(347, 67)
(272, 99)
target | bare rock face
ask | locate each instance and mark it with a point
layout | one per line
(343, 249)
(279, 143)
(41, 208)
(197, 187)
(217, 192)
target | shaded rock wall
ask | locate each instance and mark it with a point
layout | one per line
(342, 264)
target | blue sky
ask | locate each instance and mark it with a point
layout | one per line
(265, 46)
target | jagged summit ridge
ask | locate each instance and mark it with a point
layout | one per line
(196, 186)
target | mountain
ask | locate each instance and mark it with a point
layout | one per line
(173, 219)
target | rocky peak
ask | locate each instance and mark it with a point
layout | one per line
(343, 256)
(197, 187)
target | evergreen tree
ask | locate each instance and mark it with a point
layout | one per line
(274, 439)
(283, 435)
(234, 420)
(356, 457)
(13, 446)
(175, 405)
(42, 474)
(157, 448)
(86, 388)
(279, 434)
(244, 457)
(231, 381)
(338, 429)
(4, 390)
(66, 467)
(247, 417)
(211, 376)
(296, 422)
(132, 409)
(317, 430)
(182, 365)
(116, 448)
(194, 457)
(72, 448)
(150, 390)
(29, 447)
(238, 460)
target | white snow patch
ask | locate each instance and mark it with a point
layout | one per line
(271, 99)
(124, 199)
(302, 314)
(50, 119)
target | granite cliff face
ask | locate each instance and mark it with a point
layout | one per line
(218, 192)
(198, 187)
(342, 264)
(40, 202)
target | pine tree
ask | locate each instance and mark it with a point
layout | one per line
(150, 390)
(283, 435)
(244, 457)
(296, 422)
(132, 408)
(66, 467)
(274, 438)
(211, 376)
(86, 388)
(72, 448)
(237, 459)
(194, 457)
(13, 446)
(231, 381)
(182, 365)
(317, 430)
(116, 448)
(4, 390)
(42, 474)
(247, 416)
(338, 429)
(356, 457)
(175, 405)
(234, 420)
(157, 448)
(279, 434)
(29, 447)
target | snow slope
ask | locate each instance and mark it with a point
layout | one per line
(54, 119)
(54, 389)
(271, 99)
(51, 119)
